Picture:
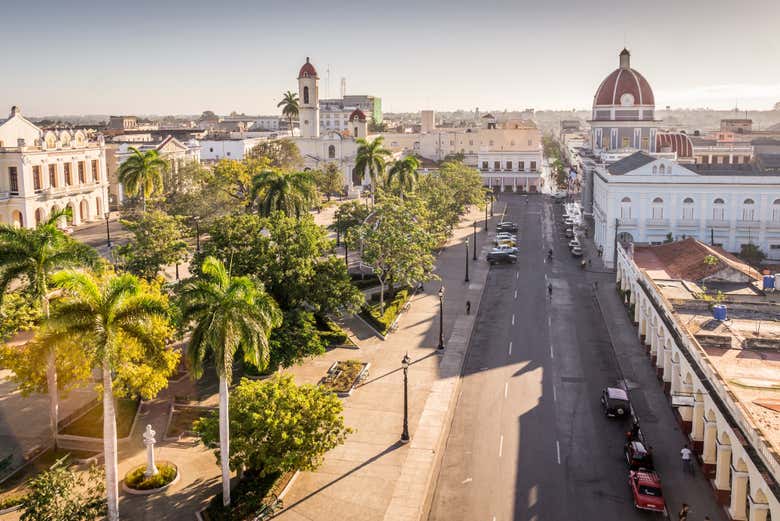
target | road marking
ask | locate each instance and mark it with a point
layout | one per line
(513, 319)
(549, 321)
(501, 448)
(552, 355)
(515, 294)
(510, 348)
(467, 480)
(506, 389)
(555, 395)
(517, 275)
(558, 449)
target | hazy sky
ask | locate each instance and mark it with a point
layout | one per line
(186, 56)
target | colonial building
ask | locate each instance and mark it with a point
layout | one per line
(41, 172)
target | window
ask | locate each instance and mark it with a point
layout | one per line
(306, 95)
(13, 180)
(491, 142)
(776, 211)
(687, 210)
(662, 169)
(705, 160)
(726, 160)
(95, 173)
(331, 151)
(211, 149)
(521, 166)
(471, 142)
(748, 210)
(53, 176)
(68, 175)
(533, 166)
(82, 174)
(645, 143)
(718, 210)
(657, 208)
(496, 165)
(228, 154)
(37, 181)
(530, 142)
(484, 165)
(626, 142)
(625, 208)
(655, 169)
(509, 165)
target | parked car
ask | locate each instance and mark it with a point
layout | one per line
(638, 456)
(569, 233)
(506, 226)
(510, 249)
(574, 242)
(505, 242)
(615, 402)
(501, 256)
(646, 490)
(577, 251)
(506, 235)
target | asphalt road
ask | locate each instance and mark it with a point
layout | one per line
(529, 440)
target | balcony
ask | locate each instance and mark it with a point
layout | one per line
(717, 223)
(657, 223)
(773, 225)
(688, 223)
(741, 223)
(625, 223)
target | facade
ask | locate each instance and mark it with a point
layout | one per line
(41, 172)
(266, 123)
(710, 368)
(643, 199)
(215, 149)
(427, 121)
(334, 113)
(122, 122)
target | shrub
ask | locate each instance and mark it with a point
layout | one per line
(382, 321)
(136, 480)
(11, 501)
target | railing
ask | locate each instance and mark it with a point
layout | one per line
(657, 222)
(718, 223)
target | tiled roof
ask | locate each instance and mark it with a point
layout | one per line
(684, 260)
(630, 163)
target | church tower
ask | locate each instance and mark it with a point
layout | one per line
(358, 124)
(309, 101)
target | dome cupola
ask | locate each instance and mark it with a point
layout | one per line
(624, 87)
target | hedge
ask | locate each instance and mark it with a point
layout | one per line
(382, 321)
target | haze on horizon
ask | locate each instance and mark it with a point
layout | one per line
(183, 57)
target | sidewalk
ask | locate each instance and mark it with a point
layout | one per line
(372, 476)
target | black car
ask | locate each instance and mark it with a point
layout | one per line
(615, 401)
(638, 456)
(506, 227)
(501, 256)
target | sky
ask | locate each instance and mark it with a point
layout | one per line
(187, 56)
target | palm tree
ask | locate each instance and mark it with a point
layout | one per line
(30, 257)
(103, 313)
(227, 314)
(290, 192)
(405, 173)
(142, 173)
(290, 107)
(370, 160)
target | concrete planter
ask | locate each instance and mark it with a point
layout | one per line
(362, 374)
(136, 492)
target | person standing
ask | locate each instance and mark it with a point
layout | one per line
(683, 515)
(685, 454)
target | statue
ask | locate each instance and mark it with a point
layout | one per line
(151, 468)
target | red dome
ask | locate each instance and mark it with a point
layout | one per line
(308, 70)
(357, 114)
(624, 80)
(676, 142)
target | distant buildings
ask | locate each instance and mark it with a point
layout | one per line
(334, 113)
(41, 172)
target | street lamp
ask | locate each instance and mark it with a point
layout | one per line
(197, 234)
(338, 228)
(491, 204)
(108, 230)
(486, 211)
(405, 364)
(467, 260)
(441, 319)
(475, 241)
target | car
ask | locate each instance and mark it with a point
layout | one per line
(510, 249)
(501, 256)
(574, 242)
(506, 226)
(569, 233)
(576, 251)
(505, 242)
(646, 489)
(506, 235)
(638, 456)
(615, 401)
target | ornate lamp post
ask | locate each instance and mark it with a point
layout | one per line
(475, 241)
(108, 230)
(197, 234)
(491, 204)
(405, 364)
(338, 227)
(486, 212)
(467, 260)
(441, 319)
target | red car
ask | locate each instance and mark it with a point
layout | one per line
(646, 489)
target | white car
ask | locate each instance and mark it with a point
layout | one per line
(574, 243)
(576, 251)
(506, 249)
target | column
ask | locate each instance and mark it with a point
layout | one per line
(709, 449)
(723, 472)
(667, 376)
(660, 357)
(654, 341)
(697, 427)
(758, 511)
(674, 387)
(739, 482)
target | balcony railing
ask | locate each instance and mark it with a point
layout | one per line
(688, 223)
(718, 223)
(657, 222)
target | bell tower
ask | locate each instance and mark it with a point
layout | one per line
(309, 101)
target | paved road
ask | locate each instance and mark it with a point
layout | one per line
(528, 439)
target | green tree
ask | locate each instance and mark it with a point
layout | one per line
(158, 241)
(28, 258)
(278, 426)
(371, 161)
(290, 107)
(292, 193)
(64, 494)
(329, 180)
(17, 313)
(280, 153)
(752, 254)
(123, 326)
(142, 173)
(349, 215)
(404, 174)
(227, 314)
(295, 339)
(447, 193)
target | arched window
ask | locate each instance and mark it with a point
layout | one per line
(331, 152)
(662, 170)
(657, 208)
(687, 209)
(39, 216)
(655, 169)
(776, 211)
(748, 210)
(625, 208)
(306, 95)
(718, 210)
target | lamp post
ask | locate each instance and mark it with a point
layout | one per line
(338, 228)
(197, 234)
(441, 319)
(108, 230)
(405, 364)
(467, 260)
(346, 254)
(491, 204)
(486, 212)
(475, 241)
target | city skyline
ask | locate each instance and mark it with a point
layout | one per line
(183, 58)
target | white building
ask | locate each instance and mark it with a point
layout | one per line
(266, 123)
(228, 148)
(41, 172)
(643, 199)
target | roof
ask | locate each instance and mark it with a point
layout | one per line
(676, 141)
(307, 70)
(624, 80)
(357, 114)
(616, 393)
(768, 160)
(703, 142)
(685, 260)
(630, 163)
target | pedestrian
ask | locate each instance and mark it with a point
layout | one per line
(683, 515)
(549, 289)
(468, 307)
(588, 263)
(686, 454)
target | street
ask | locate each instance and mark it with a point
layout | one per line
(529, 440)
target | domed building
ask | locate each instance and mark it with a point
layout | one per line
(624, 111)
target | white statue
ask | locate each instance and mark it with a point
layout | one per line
(151, 468)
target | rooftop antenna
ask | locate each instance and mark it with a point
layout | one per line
(327, 84)
(343, 87)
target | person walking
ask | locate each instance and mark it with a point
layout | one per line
(549, 289)
(468, 307)
(683, 515)
(685, 454)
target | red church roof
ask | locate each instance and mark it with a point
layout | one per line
(676, 142)
(308, 70)
(357, 114)
(624, 80)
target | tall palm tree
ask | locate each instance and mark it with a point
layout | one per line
(29, 257)
(103, 313)
(290, 107)
(404, 172)
(226, 313)
(142, 173)
(290, 192)
(371, 160)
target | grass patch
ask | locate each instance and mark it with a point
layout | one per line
(91, 424)
(136, 480)
(249, 498)
(381, 321)
(342, 377)
(183, 418)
